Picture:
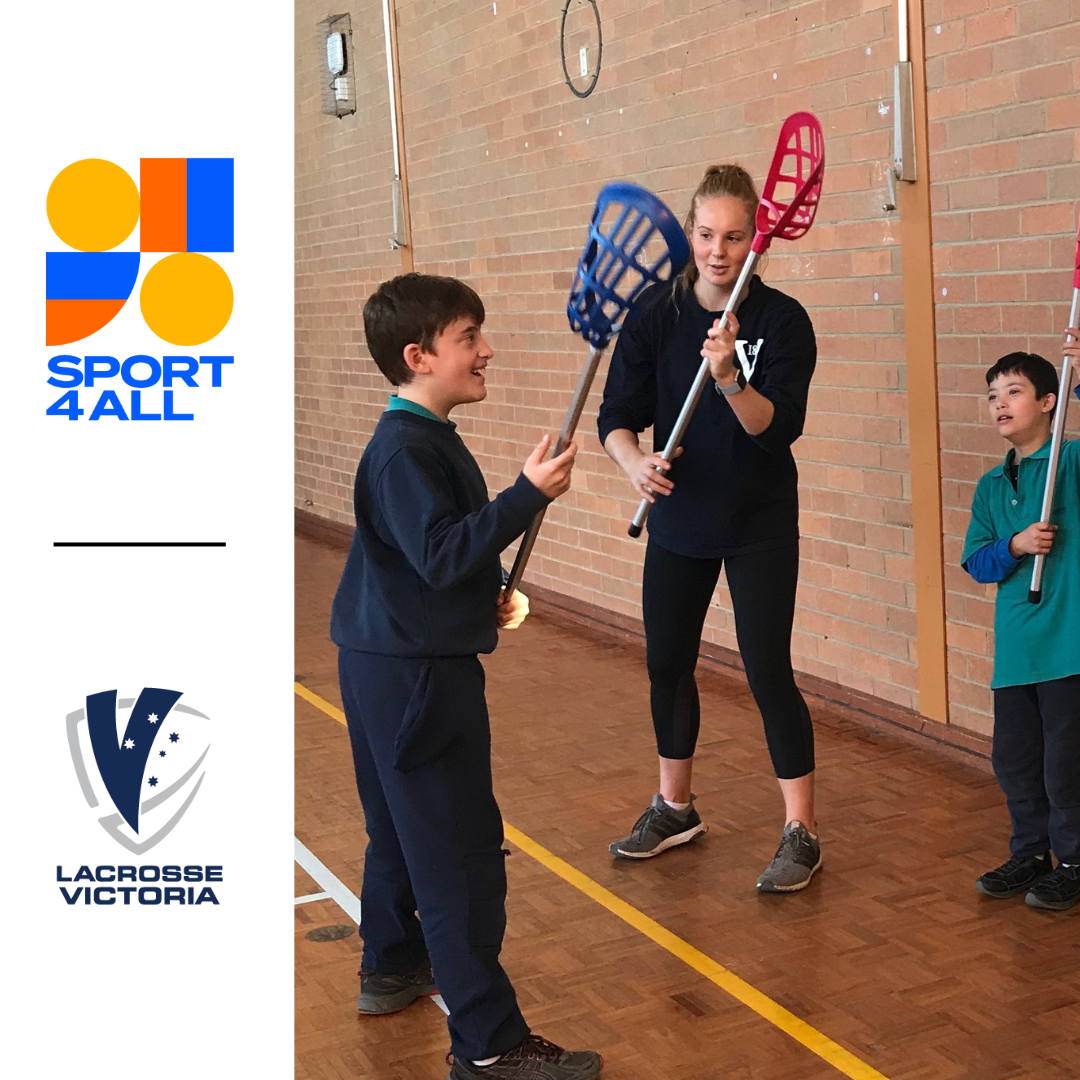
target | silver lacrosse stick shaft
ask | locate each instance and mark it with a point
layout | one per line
(573, 416)
(1064, 388)
(690, 404)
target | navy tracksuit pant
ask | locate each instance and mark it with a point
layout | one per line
(1037, 763)
(422, 751)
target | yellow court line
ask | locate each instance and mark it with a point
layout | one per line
(730, 983)
(320, 703)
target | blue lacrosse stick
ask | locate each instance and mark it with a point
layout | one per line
(618, 263)
(634, 241)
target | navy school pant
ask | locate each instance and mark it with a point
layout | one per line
(422, 751)
(1036, 759)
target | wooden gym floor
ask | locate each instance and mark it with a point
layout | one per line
(889, 965)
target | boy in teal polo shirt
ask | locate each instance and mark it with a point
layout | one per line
(1036, 681)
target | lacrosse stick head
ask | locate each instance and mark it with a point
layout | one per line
(634, 241)
(793, 188)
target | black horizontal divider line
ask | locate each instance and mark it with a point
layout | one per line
(139, 543)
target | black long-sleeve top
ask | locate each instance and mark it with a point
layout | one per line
(423, 573)
(734, 492)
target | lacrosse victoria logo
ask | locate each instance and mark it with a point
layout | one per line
(141, 761)
(184, 210)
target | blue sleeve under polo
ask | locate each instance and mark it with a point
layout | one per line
(992, 562)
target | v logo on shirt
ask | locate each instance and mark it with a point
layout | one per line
(748, 356)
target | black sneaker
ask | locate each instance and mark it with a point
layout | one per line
(1015, 876)
(382, 994)
(658, 829)
(1056, 891)
(796, 861)
(532, 1059)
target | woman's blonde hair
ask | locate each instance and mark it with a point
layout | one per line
(718, 180)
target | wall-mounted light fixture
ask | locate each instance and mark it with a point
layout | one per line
(338, 83)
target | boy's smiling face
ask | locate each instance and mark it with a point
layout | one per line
(452, 373)
(1015, 411)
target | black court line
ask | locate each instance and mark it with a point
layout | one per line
(138, 543)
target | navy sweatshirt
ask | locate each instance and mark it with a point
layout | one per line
(734, 492)
(423, 573)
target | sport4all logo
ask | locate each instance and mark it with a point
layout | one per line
(183, 207)
(144, 756)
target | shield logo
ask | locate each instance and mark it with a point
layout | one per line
(144, 756)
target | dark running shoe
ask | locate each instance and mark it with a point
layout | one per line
(658, 829)
(1014, 877)
(1056, 891)
(382, 994)
(532, 1059)
(796, 861)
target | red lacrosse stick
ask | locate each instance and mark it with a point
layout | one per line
(786, 210)
(1064, 385)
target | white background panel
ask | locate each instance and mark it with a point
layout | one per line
(164, 991)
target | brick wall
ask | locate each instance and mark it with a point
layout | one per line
(343, 218)
(504, 165)
(1004, 109)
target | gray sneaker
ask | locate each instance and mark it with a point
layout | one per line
(796, 861)
(382, 994)
(658, 829)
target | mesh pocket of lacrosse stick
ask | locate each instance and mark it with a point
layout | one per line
(634, 240)
(793, 187)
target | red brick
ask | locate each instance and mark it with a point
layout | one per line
(1022, 187)
(1063, 112)
(1048, 218)
(968, 64)
(991, 26)
(1045, 82)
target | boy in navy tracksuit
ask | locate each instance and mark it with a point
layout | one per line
(418, 600)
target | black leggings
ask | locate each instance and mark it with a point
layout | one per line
(675, 600)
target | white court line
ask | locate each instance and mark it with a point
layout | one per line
(310, 899)
(337, 890)
(331, 884)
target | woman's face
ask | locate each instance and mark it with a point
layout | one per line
(721, 237)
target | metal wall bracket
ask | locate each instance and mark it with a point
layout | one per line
(397, 237)
(890, 179)
(903, 122)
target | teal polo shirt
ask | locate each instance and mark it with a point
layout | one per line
(1033, 642)
(419, 410)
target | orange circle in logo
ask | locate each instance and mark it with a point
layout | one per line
(93, 205)
(186, 298)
